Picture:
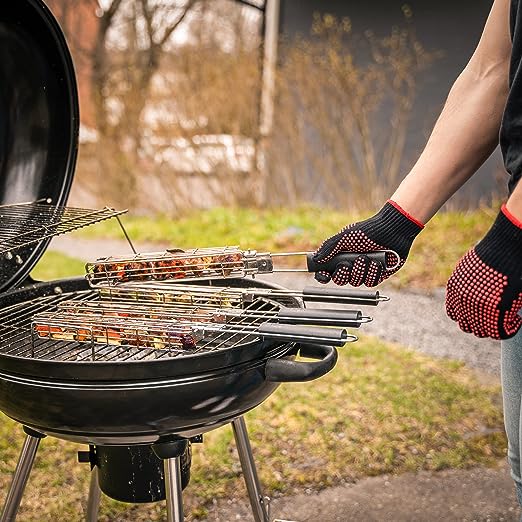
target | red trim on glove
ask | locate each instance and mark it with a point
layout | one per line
(510, 216)
(404, 213)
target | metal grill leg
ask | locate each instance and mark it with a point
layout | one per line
(259, 503)
(173, 490)
(93, 502)
(21, 474)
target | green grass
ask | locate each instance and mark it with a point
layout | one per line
(55, 265)
(438, 248)
(383, 409)
(273, 229)
(436, 251)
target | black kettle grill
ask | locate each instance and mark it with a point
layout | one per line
(140, 404)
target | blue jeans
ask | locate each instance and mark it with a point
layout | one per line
(511, 364)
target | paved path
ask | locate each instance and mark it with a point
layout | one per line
(478, 495)
(413, 319)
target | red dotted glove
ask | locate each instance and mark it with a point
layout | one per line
(392, 228)
(484, 293)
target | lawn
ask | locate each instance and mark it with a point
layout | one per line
(446, 238)
(55, 265)
(383, 409)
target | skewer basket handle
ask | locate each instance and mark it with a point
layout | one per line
(382, 257)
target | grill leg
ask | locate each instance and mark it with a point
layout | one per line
(259, 503)
(172, 471)
(93, 502)
(171, 453)
(21, 474)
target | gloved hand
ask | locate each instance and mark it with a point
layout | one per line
(392, 228)
(484, 293)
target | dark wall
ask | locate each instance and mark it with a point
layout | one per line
(451, 27)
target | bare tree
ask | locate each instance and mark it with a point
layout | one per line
(184, 117)
(344, 119)
(122, 55)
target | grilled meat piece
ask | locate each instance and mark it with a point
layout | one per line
(166, 266)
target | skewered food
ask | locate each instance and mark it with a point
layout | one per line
(112, 330)
(141, 312)
(168, 265)
(205, 297)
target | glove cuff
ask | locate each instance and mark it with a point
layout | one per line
(391, 226)
(405, 213)
(510, 216)
(394, 221)
(501, 247)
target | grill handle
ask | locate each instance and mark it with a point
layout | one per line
(341, 295)
(381, 257)
(305, 334)
(322, 317)
(284, 370)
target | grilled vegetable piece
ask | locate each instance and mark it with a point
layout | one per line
(113, 331)
(134, 311)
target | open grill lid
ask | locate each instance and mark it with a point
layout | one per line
(39, 119)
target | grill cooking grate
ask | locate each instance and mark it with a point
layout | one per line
(27, 223)
(17, 337)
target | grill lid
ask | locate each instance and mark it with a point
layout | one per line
(39, 118)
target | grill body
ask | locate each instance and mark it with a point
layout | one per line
(133, 402)
(125, 408)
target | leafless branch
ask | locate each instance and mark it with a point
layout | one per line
(172, 27)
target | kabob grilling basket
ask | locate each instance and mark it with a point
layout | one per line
(147, 352)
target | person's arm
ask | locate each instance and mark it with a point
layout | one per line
(464, 136)
(467, 130)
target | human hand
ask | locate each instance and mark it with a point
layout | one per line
(391, 228)
(484, 293)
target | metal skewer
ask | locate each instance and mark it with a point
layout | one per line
(175, 294)
(191, 314)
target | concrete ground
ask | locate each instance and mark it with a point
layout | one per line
(477, 495)
(416, 320)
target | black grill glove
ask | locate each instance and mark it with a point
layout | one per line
(484, 293)
(392, 228)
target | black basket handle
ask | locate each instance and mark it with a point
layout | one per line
(380, 256)
(322, 317)
(324, 294)
(306, 334)
(284, 370)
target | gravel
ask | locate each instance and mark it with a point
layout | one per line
(417, 320)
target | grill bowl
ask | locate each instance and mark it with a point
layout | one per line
(133, 402)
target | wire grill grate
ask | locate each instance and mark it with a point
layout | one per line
(27, 223)
(17, 337)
